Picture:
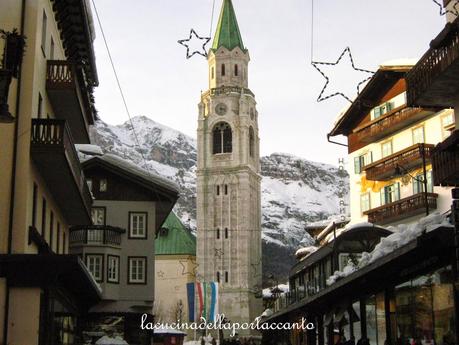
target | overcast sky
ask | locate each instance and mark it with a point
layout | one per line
(159, 82)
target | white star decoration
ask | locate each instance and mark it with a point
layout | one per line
(195, 36)
(443, 10)
(348, 53)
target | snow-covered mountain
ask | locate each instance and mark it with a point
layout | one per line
(295, 191)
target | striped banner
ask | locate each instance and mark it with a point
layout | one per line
(190, 289)
(207, 306)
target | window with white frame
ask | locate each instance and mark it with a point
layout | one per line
(447, 123)
(418, 183)
(418, 135)
(365, 203)
(137, 270)
(95, 265)
(386, 149)
(390, 193)
(361, 161)
(138, 225)
(113, 269)
(382, 109)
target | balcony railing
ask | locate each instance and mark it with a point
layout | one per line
(434, 81)
(401, 209)
(445, 161)
(70, 96)
(96, 235)
(390, 123)
(407, 159)
(53, 152)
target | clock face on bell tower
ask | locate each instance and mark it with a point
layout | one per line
(221, 109)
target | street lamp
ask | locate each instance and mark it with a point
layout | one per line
(399, 169)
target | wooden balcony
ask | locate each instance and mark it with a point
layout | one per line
(95, 235)
(445, 161)
(390, 123)
(53, 152)
(391, 166)
(401, 209)
(70, 96)
(434, 81)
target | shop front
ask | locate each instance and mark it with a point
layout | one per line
(406, 297)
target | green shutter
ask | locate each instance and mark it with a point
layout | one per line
(383, 196)
(357, 167)
(377, 112)
(397, 191)
(389, 106)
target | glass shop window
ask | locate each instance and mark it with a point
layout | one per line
(376, 319)
(425, 309)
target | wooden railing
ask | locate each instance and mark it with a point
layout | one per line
(387, 123)
(432, 65)
(53, 135)
(402, 208)
(96, 235)
(62, 74)
(387, 167)
(445, 161)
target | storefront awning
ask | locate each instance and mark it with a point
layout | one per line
(66, 272)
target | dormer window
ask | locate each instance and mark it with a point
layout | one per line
(382, 109)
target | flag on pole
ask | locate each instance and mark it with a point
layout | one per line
(190, 288)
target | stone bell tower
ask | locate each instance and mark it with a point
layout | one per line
(228, 179)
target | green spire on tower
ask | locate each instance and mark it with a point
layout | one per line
(227, 34)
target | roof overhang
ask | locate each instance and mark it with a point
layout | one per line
(381, 82)
(67, 272)
(431, 249)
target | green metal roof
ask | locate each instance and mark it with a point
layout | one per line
(177, 240)
(227, 34)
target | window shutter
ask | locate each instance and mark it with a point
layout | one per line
(415, 185)
(371, 156)
(377, 112)
(389, 106)
(397, 191)
(383, 196)
(357, 166)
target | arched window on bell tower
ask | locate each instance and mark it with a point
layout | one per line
(251, 142)
(236, 70)
(222, 138)
(223, 70)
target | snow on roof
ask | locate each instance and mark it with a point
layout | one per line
(267, 293)
(305, 251)
(403, 62)
(136, 170)
(402, 235)
(331, 236)
(106, 340)
(89, 149)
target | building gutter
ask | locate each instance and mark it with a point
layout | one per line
(335, 142)
(13, 182)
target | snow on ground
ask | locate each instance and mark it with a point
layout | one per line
(402, 235)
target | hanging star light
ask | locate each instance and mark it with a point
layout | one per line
(193, 36)
(443, 10)
(347, 52)
(192, 271)
(218, 253)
